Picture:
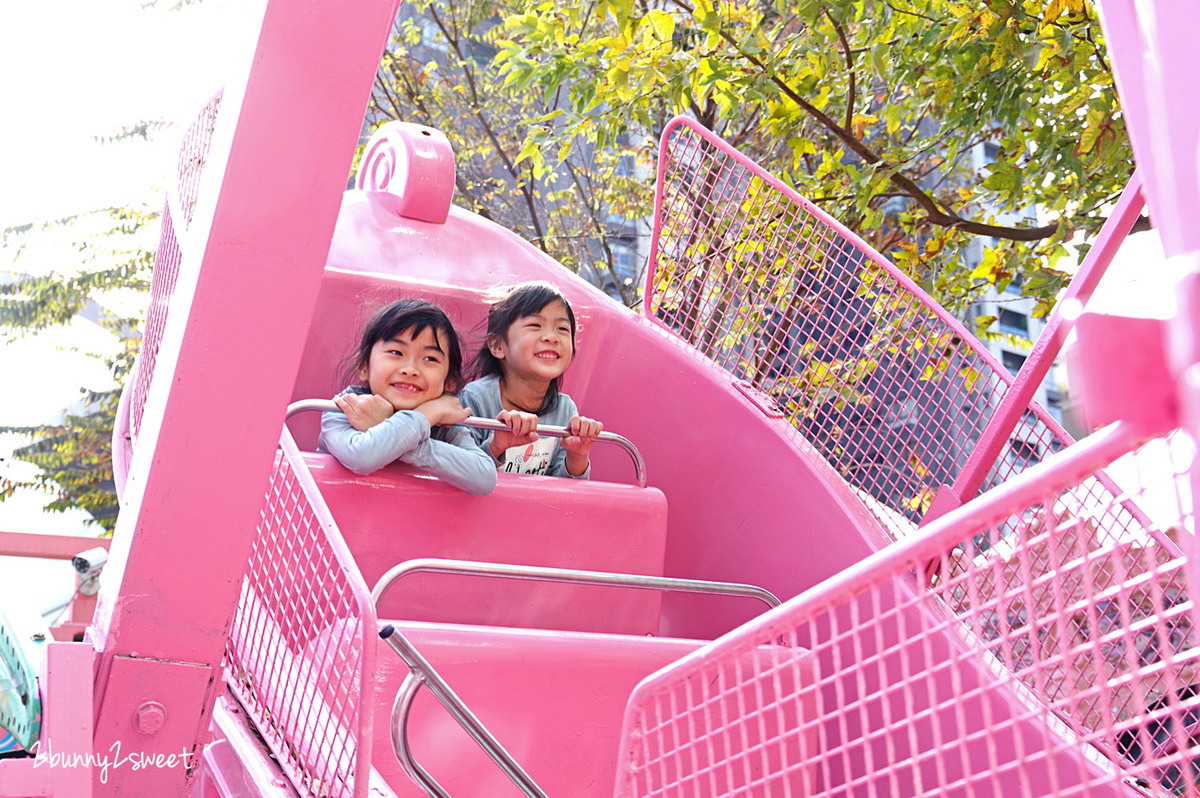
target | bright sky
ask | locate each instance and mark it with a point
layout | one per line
(72, 70)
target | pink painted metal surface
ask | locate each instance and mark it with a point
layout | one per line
(55, 547)
(594, 526)
(553, 699)
(246, 286)
(1076, 678)
(60, 768)
(415, 165)
(1155, 62)
(890, 388)
(302, 644)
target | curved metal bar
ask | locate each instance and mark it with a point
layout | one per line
(424, 672)
(639, 464)
(400, 711)
(534, 573)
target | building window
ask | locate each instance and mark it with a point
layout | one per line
(991, 152)
(624, 260)
(1024, 453)
(1012, 362)
(1015, 285)
(1014, 323)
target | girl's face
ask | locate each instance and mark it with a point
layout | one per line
(407, 370)
(537, 347)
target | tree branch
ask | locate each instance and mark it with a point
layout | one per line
(935, 214)
(522, 185)
(851, 91)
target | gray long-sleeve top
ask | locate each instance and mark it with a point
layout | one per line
(483, 397)
(448, 453)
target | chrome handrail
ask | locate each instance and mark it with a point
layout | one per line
(639, 464)
(422, 673)
(440, 565)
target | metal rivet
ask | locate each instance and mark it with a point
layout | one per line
(150, 717)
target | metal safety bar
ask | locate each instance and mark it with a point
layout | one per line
(639, 465)
(438, 565)
(422, 673)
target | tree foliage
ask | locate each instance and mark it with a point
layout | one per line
(873, 109)
(94, 254)
(438, 71)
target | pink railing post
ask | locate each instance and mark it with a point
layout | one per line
(1047, 347)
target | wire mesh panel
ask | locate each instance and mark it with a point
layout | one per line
(162, 286)
(302, 644)
(192, 156)
(1080, 677)
(889, 388)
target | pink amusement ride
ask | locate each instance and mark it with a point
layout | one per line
(271, 624)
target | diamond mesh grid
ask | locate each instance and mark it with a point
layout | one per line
(1074, 678)
(162, 286)
(888, 387)
(301, 648)
(192, 156)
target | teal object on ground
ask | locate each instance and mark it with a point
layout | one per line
(22, 645)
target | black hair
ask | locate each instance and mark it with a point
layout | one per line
(518, 302)
(416, 315)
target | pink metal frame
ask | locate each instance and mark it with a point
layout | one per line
(1075, 679)
(248, 277)
(892, 389)
(302, 646)
(1048, 345)
(1057, 659)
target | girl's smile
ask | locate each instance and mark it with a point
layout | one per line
(536, 348)
(407, 370)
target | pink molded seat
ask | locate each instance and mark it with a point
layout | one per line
(395, 515)
(554, 701)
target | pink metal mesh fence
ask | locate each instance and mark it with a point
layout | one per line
(1060, 661)
(302, 644)
(889, 388)
(192, 156)
(162, 285)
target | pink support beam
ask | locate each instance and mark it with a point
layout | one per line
(66, 734)
(48, 547)
(1020, 393)
(268, 201)
(1155, 60)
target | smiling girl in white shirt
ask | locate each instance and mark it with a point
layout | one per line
(530, 343)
